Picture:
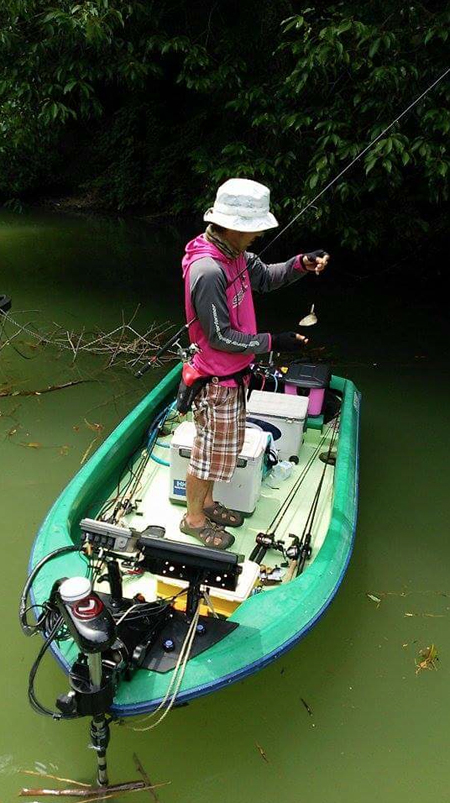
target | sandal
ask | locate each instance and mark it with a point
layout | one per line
(210, 534)
(222, 515)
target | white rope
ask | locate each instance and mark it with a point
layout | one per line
(359, 156)
(177, 677)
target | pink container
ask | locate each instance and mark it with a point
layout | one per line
(316, 396)
(311, 379)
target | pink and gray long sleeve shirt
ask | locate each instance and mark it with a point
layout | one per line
(218, 290)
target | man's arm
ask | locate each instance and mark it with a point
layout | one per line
(208, 286)
(264, 278)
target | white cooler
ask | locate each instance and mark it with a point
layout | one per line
(243, 491)
(285, 413)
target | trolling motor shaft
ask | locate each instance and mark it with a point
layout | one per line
(99, 725)
(94, 631)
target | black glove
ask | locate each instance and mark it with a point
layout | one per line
(286, 341)
(312, 256)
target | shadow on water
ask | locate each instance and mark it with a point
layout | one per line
(378, 732)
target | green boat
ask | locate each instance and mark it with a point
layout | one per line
(284, 594)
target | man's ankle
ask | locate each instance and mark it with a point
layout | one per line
(195, 521)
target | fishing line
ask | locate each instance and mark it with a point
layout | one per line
(356, 159)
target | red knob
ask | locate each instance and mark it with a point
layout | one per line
(88, 608)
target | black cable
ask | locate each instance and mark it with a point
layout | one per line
(139, 614)
(26, 627)
(34, 702)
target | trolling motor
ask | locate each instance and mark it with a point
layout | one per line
(93, 682)
(117, 636)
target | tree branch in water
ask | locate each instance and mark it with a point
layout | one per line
(51, 388)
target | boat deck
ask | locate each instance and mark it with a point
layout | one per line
(155, 506)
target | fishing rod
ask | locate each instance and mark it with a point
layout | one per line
(173, 340)
(304, 548)
(300, 547)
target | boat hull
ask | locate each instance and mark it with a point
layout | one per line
(269, 623)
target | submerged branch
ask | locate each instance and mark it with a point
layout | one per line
(43, 390)
(92, 792)
(55, 778)
(147, 780)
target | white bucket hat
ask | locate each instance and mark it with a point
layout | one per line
(242, 205)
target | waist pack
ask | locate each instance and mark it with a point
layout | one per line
(192, 382)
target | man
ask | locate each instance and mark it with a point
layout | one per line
(219, 277)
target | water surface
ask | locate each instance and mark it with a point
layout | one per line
(378, 730)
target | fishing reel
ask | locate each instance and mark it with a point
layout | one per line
(186, 354)
(299, 551)
(294, 550)
(268, 541)
(265, 541)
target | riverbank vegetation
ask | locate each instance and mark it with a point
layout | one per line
(153, 104)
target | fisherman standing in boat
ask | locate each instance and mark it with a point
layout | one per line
(220, 276)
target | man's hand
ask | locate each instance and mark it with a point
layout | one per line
(288, 341)
(315, 261)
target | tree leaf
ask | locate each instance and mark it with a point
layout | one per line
(375, 46)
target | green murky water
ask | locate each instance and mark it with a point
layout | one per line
(378, 731)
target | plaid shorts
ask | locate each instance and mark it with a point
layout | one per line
(219, 416)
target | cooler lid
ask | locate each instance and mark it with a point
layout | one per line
(277, 405)
(308, 375)
(183, 435)
(254, 444)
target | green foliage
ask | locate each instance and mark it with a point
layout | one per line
(167, 102)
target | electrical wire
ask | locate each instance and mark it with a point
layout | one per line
(26, 627)
(34, 702)
(168, 601)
